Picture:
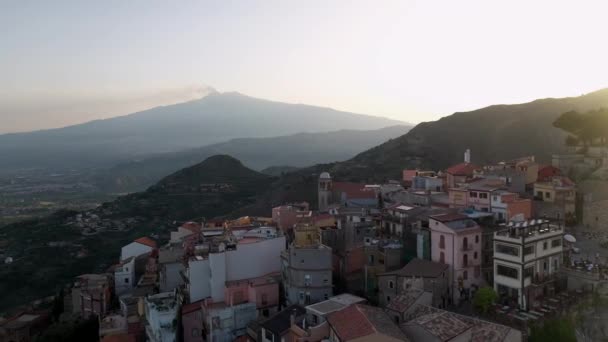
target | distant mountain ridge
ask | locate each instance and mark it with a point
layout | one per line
(298, 150)
(212, 119)
(494, 133)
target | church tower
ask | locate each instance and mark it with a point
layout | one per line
(324, 191)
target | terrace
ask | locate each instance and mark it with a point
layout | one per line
(528, 230)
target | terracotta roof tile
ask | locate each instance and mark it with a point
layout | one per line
(146, 241)
(462, 169)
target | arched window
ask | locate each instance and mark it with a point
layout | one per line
(441, 241)
(476, 238)
(465, 260)
(442, 257)
(475, 255)
(465, 243)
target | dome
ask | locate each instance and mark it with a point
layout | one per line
(325, 175)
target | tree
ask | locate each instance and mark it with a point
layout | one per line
(553, 330)
(484, 299)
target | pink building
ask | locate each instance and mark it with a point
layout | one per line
(456, 241)
(192, 321)
(408, 175)
(263, 291)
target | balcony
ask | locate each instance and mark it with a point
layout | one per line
(466, 248)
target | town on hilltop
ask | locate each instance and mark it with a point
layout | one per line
(470, 253)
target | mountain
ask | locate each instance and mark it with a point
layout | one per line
(494, 133)
(54, 249)
(212, 119)
(298, 150)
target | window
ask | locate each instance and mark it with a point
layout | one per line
(506, 271)
(465, 260)
(265, 313)
(326, 296)
(126, 280)
(301, 295)
(465, 275)
(267, 335)
(307, 297)
(473, 194)
(509, 250)
(475, 255)
(545, 245)
(555, 265)
(476, 238)
(194, 332)
(325, 281)
(371, 260)
(465, 243)
(556, 243)
(547, 195)
(264, 299)
(441, 241)
(529, 272)
(529, 250)
(391, 284)
(483, 195)
(545, 265)
(307, 280)
(495, 198)
(388, 299)
(485, 209)
(442, 258)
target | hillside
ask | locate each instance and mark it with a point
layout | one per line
(54, 249)
(493, 133)
(298, 150)
(212, 119)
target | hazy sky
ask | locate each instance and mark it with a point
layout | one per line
(64, 62)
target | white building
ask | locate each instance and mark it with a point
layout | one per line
(207, 275)
(124, 277)
(161, 317)
(527, 256)
(136, 248)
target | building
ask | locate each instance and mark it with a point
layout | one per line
(192, 322)
(427, 323)
(555, 199)
(138, 247)
(314, 327)
(527, 256)
(171, 263)
(307, 273)
(277, 327)
(507, 206)
(223, 322)
(456, 241)
(124, 277)
(161, 317)
(424, 275)
(547, 172)
(427, 183)
(408, 175)
(91, 295)
(286, 216)
(363, 323)
(208, 272)
(24, 327)
(325, 187)
(460, 174)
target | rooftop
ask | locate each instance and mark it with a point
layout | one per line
(357, 321)
(170, 255)
(146, 241)
(281, 321)
(462, 169)
(420, 268)
(404, 301)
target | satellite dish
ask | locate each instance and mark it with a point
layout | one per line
(569, 238)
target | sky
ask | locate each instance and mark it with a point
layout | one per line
(65, 62)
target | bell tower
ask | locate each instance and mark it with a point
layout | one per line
(324, 191)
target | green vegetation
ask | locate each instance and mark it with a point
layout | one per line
(588, 129)
(484, 299)
(553, 330)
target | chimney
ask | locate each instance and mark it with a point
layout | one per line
(467, 156)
